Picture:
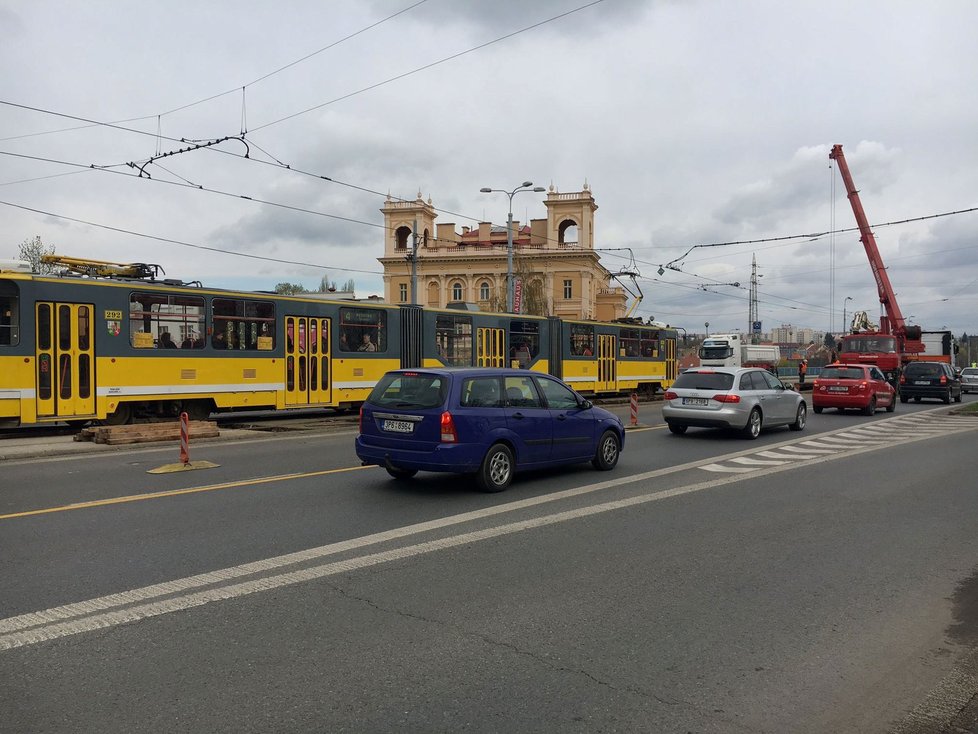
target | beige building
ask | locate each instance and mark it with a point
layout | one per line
(557, 269)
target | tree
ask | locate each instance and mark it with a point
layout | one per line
(31, 251)
(829, 341)
(349, 286)
(290, 289)
(326, 285)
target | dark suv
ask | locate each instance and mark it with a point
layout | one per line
(930, 380)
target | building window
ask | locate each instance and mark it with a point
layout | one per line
(484, 291)
(456, 291)
(568, 289)
(403, 289)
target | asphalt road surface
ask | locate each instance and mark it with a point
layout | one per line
(823, 581)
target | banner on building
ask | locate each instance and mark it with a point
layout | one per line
(517, 295)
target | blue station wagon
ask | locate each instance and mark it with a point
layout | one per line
(488, 422)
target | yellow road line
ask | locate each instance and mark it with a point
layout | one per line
(174, 492)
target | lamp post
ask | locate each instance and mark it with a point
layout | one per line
(845, 329)
(525, 186)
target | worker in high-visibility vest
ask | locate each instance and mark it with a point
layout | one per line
(802, 369)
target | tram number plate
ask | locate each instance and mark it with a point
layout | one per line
(695, 401)
(399, 426)
(838, 388)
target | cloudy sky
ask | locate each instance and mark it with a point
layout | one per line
(694, 123)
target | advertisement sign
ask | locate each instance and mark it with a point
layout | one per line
(517, 295)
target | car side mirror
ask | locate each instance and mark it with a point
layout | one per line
(585, 404)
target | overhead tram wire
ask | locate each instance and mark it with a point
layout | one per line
(235, 89)
(188, 244)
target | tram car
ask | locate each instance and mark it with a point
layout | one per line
(113, 343)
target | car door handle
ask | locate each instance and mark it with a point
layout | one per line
(562, 417)
(518, 415)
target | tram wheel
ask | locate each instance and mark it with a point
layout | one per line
(121, 416)
(197, 410)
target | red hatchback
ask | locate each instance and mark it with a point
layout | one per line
(855, 386)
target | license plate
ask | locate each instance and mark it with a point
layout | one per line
(399, 426)
(838, 388)
(921, 382)
(695, 401)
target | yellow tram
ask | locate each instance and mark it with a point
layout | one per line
(115, 344)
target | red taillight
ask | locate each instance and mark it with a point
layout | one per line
(448, 434)
(725, 398)
(360, 421)
(861, 386)
(943, 379)
(670, 395)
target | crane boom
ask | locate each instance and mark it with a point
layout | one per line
(894, 322)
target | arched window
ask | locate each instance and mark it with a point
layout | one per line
(457, 291)
(567, 233)
(401, 237)
(484, 291)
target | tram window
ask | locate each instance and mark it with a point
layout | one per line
(363, 330)
(453, 339)
(582, 340)
(650, 344)
(64, 328)
(630, 343)
(166, 321)
(44, 326)
(243, 325)
(524, 341)
(9, 315)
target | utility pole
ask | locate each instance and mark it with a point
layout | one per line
(752, 309)
(414, 263)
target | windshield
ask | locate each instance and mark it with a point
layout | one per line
(869, 344)
(704, 381)
(923, 369)
(708, 351)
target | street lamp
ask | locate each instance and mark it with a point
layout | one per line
(525, 186)
(845, 329)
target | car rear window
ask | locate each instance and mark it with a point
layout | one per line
(924, 370)
(408, 390)
(842, 373)
(704, 381)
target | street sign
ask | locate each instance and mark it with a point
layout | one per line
(755, 327)
(517, 295)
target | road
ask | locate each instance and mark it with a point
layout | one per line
(815, 582)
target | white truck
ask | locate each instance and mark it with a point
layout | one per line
(729, 350)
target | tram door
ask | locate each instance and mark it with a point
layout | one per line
(607, 363)
(491, 348)
(65, 352)
(308, 380)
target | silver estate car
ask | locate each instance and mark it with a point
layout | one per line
(969, 379)
(745, 399)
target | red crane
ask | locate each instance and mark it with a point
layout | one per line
(894, 343)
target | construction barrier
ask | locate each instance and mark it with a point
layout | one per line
(184, 439)
(634, 406)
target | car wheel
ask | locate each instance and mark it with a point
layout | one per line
(817, 408)
(800, 418)
(958, 398)
(753, 428)
(401, 473)
(870, 408)
(677, 428)
(496, 471)
(608, 451)
(947, 398)
(917, 399)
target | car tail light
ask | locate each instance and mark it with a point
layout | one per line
(861, 386)
(943, 379)
(360, 421)
(726, 398)
(448, 434)
(670, 395)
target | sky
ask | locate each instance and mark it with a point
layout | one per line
(702, 129)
